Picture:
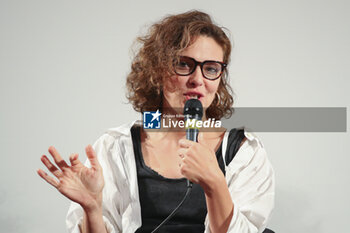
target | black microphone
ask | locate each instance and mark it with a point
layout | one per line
(193, 111)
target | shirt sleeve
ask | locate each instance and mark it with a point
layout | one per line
(111, 213)
(251, 183)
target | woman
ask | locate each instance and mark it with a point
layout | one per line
(134, 178)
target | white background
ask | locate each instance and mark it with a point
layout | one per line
(63, 66)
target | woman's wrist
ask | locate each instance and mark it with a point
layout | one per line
(93, 219)
(93, 205)
(212, 182)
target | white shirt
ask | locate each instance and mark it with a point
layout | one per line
(249, 176)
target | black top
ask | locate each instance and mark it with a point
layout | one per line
(159, 196)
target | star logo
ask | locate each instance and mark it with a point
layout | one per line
(151, 120)
(156, 115)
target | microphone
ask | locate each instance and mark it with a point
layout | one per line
(193, 111)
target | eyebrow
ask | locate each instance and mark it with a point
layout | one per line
(202, 61)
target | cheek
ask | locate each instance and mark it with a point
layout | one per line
(211, 89)
(172, 88)
(174, 84)
(212, 86)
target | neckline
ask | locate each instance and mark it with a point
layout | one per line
(136, 134)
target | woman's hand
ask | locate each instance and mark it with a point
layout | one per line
(199, 163)
(80, 184)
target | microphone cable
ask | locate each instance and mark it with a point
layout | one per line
(189, 188)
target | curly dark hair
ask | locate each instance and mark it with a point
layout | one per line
(165, 41)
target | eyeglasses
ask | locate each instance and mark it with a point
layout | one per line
(210, 69)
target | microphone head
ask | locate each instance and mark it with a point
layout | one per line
(193, 109)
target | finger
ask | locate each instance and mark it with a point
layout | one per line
(57, 157)
(52, 168)
(74, 160)
(182, 152)
(185, 143)
(180, 164)
(92, 157)
(47, 178)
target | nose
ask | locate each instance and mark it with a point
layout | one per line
(196, 78)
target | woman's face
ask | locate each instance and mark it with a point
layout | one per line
(178, 89)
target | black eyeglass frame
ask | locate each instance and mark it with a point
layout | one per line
(201, 64)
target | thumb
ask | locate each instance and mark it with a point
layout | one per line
(200, 137)
(91, 154)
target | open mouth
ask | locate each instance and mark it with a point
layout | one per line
(193, 96)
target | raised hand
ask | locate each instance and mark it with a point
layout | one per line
(77, 182)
